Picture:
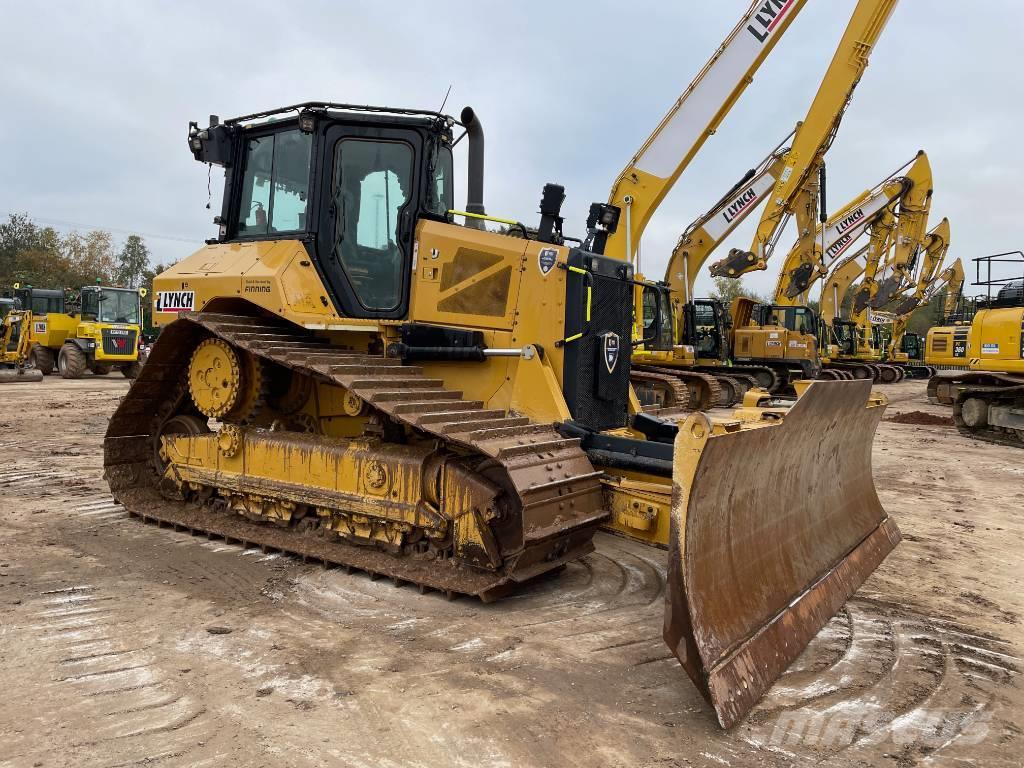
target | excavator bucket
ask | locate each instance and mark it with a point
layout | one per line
(772, 529)
(19, 375)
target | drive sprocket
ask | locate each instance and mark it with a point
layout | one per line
(225, 382)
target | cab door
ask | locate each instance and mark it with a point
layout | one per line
(371, 191)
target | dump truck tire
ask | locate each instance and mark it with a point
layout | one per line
(41, 358)
(100, 370)
(71, 362)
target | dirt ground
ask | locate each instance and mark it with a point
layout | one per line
(122, 644)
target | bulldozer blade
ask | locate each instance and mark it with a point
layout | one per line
(772, 530)
(23, 376)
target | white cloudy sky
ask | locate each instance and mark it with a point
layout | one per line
(96, 98)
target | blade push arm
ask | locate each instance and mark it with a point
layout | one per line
(796, 190)
(643, 184)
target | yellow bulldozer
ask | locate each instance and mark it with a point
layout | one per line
(348, 374)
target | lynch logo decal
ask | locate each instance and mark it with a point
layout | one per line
(767, 17)
(849, 221)
(839, 246)
(38, 327)
(175, 301)
(610, 348)
(739, 204)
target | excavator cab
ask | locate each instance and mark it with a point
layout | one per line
(706, 327)
(912, 345)
(658, 333)
(6, 305)
(844, 335)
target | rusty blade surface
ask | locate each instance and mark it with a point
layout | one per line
(772, 530)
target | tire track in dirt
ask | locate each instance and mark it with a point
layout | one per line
(121, 702)
(925, 689)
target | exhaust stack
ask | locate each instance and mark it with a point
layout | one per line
(475, 186)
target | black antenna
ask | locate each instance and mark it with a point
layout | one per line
(446, 94)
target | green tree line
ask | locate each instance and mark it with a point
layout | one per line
(31, 254)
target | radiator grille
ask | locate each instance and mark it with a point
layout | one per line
(118, 342)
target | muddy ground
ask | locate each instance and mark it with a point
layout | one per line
(123, 644)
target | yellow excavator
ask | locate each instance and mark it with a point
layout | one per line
(699, 340)
(15, 332)
(349, 375)
(853, 345)
(859, 341)
(906, 349)
(988, 398)
(788, 326)
(946, 344)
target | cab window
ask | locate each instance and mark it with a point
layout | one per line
(275, 185)
(372, 188)
(441, 195)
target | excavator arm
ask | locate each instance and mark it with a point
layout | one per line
(806, 265)
(910, 236)
(696, 115)
(950, 279)
(796, 191)
(953, 277)
(704, 235)
(934, 253)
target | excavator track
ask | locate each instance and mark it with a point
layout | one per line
(660, 391)
(704, 390)
(962, 389)
(856, 370)
(739, 384)
(548, 480)
(995, 393)
(763, 376)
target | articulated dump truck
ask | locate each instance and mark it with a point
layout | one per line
(348, 375)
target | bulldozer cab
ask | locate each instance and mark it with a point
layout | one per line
(351, 184)
(705, 327)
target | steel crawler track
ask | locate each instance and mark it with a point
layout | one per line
(554, 486)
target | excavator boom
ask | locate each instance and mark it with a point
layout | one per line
(796, 189)
(643, 184)
(802, 268)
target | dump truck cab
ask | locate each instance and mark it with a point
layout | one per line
(97, 330)
(109, 326)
